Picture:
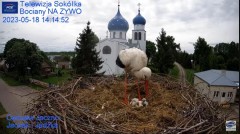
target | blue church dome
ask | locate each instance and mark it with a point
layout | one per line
(118, 23)
(139, 20)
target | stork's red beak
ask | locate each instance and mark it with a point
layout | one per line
(146, 87)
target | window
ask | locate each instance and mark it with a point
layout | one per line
(135, 36)
(120, 35)
(144, 36)
(215, 93)
(114, 34)
(139, 36)
(223, 94)
(230, 94)
(106, 50)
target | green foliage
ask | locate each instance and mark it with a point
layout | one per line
(233, 64)
(58, 79)
(185, 59)
(190, 75)
(222, 56)
(226, 56)
(10, 43)
(10, 80)
(45, 58)
(150, 49)
(1, 56)
(174, 72)
(70, 53)
(166, 54)
(87, 60)
(4, 122)
(22, 54)
(202, 54)
(2, 110)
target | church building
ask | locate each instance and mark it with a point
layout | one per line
(111, 46)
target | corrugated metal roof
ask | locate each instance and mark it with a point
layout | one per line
(219, 77)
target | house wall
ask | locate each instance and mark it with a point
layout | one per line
(201, 86)
(66, 64)
(226, 90)
(207, 90)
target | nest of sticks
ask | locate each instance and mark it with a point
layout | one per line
(95, 105)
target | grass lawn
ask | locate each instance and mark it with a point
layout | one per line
(4, 123)
(2, 110)
(174, 72)
(57, 80)
(190, 75)
(36, 87)
(10, 81)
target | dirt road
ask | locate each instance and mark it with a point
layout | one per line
(182, 75)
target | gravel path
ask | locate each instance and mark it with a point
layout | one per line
(182, 73)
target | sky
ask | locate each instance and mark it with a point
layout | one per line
(186, 20)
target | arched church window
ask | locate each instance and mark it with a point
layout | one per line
(106, 50)
(135, 36)
(114, 34)
(139, 34)
(120, 35)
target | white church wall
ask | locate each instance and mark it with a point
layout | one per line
(109, 64)
(142, 42)
(139, 27)
(107, 58)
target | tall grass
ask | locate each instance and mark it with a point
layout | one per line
(190, 75)
(174, 72)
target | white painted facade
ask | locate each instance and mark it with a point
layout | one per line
(139, 36)
(215, 93)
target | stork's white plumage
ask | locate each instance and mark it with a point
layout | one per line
(134, 61)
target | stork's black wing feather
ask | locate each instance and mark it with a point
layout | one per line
(119, 63)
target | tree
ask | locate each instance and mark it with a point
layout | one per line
(1, 56)
(166, 54)
(233, 64)
(10, 43)
(228, 55)
(87, 60)
(202, 53)
(184, 59)
(23, 54)
(150, 49)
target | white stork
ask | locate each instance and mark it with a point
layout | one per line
(134, 61)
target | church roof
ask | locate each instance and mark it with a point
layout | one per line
(118, 23)
(139, 19)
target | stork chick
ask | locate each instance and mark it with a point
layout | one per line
(138, 103)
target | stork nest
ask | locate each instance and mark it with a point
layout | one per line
(95, 105)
